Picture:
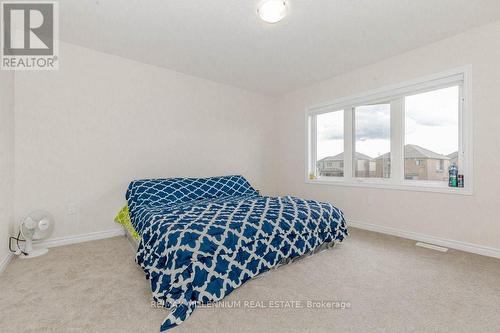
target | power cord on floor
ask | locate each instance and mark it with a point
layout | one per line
(18, 239)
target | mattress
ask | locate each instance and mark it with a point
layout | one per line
(203, 238)
(134, 243)
(131, 239)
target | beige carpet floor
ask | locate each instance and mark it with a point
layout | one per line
(391, 286)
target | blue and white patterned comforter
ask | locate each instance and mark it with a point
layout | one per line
(202, 238)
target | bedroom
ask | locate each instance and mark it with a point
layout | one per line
(347, 115)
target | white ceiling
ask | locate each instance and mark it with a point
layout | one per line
(225, 41)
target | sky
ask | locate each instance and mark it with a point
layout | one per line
(431, 121)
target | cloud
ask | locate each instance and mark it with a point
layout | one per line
(330, 135)
(375, 131)
(331, 126)
(425, 118)
(437, 108)
(372, 122)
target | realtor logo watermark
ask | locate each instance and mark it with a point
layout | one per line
(30, 35)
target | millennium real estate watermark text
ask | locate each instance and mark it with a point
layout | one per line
(253, 304)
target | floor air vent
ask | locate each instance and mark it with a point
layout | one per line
(432, 247)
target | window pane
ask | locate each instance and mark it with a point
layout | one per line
(330, 144)
(372, 157)
(431, 134)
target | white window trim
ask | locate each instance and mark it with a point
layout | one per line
(397, 181)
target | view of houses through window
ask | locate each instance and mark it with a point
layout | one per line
(431, 134)
(330, 144)
(372, 125)
(431, 137)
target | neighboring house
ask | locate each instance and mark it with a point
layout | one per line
(453, 157)
(364, 166)
(420, 163)
(333, 166)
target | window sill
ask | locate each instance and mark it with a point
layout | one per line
(382, 184)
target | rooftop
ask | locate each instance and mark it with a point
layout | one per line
(414, 151)
(411, 151)
(340, 157)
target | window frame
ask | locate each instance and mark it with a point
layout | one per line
(395, 94)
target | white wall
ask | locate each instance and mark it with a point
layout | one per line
(472, 219)
(85, 131)
(6, 158)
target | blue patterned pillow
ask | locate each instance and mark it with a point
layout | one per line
(166, 192)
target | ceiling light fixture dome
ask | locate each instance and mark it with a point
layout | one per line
(272, 11)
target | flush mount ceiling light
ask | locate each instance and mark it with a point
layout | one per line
(272, 11)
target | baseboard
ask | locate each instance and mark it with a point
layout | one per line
(5, 261)
(449, 243)
(74, 239)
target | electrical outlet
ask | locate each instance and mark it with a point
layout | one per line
(71, 209)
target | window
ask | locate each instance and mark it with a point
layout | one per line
(372, 146)
(441, 166)
(431, 132)
(330, 144)
(404, 137)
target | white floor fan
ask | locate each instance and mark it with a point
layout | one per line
(37, 225)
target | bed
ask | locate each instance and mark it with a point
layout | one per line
(201, 238)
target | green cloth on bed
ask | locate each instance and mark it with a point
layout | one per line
(123, 218)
